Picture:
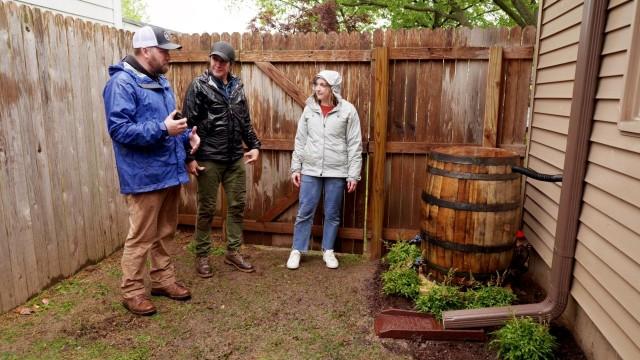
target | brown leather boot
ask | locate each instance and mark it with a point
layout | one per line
(235, 259)
(139, 305)
(174, 291)
(203, 269)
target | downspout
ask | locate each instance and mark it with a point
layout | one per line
(575, 164)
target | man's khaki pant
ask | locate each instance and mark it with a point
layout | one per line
(153, 218)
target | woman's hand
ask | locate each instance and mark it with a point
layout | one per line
(351, 185)
(295, 177)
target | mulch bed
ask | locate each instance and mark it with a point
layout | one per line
(526, 290)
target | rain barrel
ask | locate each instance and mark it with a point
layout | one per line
(470, 208)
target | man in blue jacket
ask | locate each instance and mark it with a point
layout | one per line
(150, 148)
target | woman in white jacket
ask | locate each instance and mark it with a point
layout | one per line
(327, 157)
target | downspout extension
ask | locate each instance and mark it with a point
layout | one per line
(575, 165)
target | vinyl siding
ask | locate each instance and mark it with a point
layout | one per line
(101, 11)
(606, 285)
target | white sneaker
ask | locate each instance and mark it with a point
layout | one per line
(294, 260)
(330, 259)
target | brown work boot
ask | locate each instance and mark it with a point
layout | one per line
(174, 291)
(139, 305)
(234, 258)
(203, 269)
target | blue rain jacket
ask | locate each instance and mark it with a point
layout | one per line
(146, 156)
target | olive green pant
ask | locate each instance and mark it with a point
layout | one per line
(233, 179)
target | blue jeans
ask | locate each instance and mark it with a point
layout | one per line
(310, 189)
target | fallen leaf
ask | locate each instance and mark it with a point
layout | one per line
(45, 301)
(23, 310)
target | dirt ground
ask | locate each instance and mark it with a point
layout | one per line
(274, 313)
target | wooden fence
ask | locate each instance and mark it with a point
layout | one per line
(59, 202)
(413, 89)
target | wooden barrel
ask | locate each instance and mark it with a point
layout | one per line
(470, 209)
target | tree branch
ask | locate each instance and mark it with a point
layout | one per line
(525, 12)
(512, 14)
(458, 16)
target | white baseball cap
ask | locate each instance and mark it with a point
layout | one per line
(150, 36)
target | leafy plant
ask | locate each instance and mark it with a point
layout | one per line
(523, 339)
(402, 282)
(402, 254)
(440, 298)
(488, 296)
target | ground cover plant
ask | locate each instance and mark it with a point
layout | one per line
(523, 339)
(401, 254)
(401, 282)
(440, 298)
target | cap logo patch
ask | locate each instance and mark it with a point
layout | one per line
(167, 36)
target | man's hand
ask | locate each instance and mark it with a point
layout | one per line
(351, 185)
(295, 177)
(194, 140)
(193, 167)
(175, 127)
(251, 156)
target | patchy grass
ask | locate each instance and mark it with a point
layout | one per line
(274, 313)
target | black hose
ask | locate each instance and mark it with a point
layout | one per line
(536, 175)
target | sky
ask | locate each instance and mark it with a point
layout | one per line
(198, 16)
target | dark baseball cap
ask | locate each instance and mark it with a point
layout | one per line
(224, 50)
(150, 36)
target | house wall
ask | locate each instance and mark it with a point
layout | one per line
(604, 312)
(102, 11)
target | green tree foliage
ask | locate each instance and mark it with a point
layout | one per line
(289, 16)
(134, 10)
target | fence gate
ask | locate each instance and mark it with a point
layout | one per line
(414, 90)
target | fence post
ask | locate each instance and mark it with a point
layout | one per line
(492, 98)
(380, 65)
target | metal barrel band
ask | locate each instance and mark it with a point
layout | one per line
(468, 274)
(472, 176)
(471, 160)
(430, 199)
(467, 248)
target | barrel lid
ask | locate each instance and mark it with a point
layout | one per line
(474, 155)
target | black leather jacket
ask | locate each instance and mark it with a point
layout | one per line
(223, 121)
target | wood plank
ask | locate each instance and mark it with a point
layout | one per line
(280, 206)
(395, 53)
(381, 98)
(36, 164)
(12, 174)
(279, 56)
(23, 171)
(457, 53)
(281, 79)
(492, 99)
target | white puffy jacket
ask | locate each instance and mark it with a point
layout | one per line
(328, 146)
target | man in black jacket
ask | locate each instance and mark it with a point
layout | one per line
(216, 104)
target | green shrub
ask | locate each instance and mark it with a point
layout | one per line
(440, 298)
(523, 339)
(402, 254)
(402, 282)
(488, 296)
